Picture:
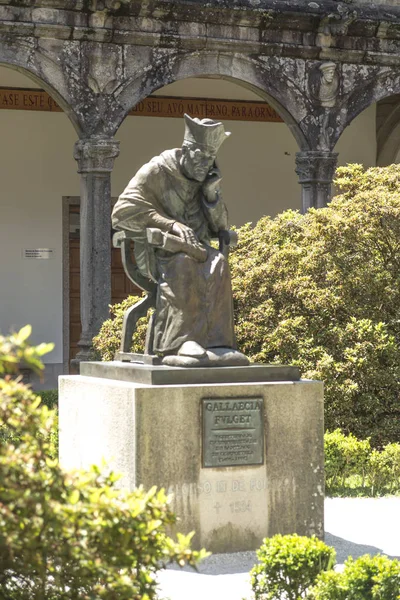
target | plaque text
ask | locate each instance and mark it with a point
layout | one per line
(232, 432)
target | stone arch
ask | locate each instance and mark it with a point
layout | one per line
(38, 70)
(250, 72)
(388, 136)
(380, 85)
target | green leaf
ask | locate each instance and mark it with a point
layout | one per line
(74, 497)
(24, 333)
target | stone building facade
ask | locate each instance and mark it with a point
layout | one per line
(319, 64)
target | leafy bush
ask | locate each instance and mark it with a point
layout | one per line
(345, 456)
(15, 352)
(289, 565)
(384, 470)
(353, 468)
(294, 567)
(70, 535)
(322, 291)
(50, 398)
(367, 578)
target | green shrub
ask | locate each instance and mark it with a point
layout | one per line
(384, 470)
(49, 398)
(294, 567)
(289, 565)
(352, 468)
(12, 435)
(15, 352)
(345, 457)
(322, 291)
(367, 578)
(66, 535)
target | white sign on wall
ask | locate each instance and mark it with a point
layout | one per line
(42, 253)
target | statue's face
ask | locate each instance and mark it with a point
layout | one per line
(329, 74)
(196, 163)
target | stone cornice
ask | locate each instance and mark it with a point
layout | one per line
(256, 12)
(375, 11)
(282, 9)
(330, 30)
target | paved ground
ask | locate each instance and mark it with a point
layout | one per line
(354, 526)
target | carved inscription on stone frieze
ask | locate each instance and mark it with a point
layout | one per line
(228, 110)
(233, 432)
(153, 106)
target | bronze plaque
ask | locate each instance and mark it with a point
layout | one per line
(233, 432)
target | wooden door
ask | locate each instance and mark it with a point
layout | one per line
(121, 287)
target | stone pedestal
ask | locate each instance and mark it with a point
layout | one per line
(155, 435)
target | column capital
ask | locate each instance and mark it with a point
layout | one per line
(316, 166)
(96, 155)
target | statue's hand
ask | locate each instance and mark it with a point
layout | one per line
(211, 184)
(185, 233)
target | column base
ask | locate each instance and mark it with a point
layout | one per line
(85, 354)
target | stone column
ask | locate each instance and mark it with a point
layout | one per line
(95, 159)
(315, 170)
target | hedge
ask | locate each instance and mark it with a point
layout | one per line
(367, 578)
(293, 567)
(289, 566)
(70, 535)
(353, 468)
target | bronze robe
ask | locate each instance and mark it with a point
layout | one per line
(194, 300)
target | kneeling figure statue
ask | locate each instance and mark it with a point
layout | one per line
(172, 209)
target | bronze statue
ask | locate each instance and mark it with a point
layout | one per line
(173, 208)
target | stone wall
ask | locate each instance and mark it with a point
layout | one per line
(385, 2)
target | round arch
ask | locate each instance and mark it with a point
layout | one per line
(388, 139)
(49, 87)
(245, 71)
(383, 86)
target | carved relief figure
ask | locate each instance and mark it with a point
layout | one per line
(329, 85)
(323, 84)
(176, 197)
